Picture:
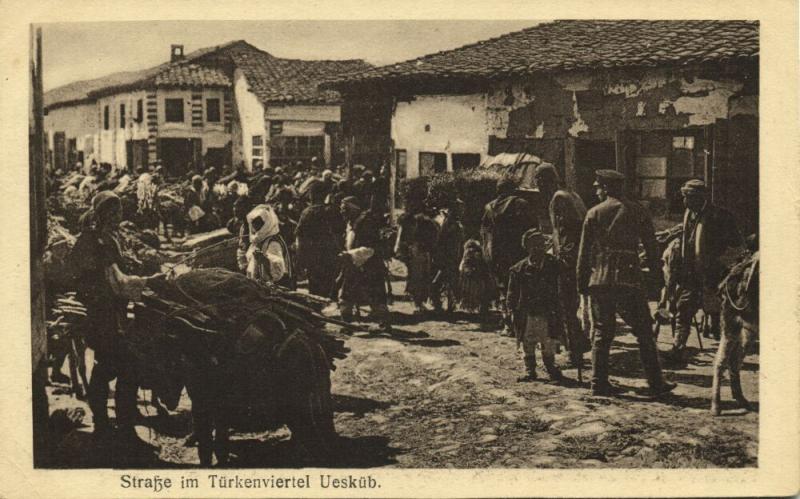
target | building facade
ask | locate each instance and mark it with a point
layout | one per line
(661, 101)
(232, 105)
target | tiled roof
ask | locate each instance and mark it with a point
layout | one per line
(579, 44)
(191, 75)
(87, 89)
(276, 80)
(272, 79)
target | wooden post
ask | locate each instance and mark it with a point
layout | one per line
(570, 172)
(620, 150)
(38, 234)
(392, 180)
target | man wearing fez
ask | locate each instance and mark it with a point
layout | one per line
(609, 271)
(567, 212)
(708, 231)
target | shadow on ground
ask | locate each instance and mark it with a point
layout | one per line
(357, 405)
(358, 452)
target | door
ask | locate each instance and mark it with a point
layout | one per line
(136, 153)
(591, 155)
(216, 157)
(735, 178)
(179, 156)
(60, 150)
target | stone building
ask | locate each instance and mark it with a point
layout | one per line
(662, 101)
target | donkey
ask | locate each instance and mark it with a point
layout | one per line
(739, 326)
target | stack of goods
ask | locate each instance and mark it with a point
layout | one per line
(220, 321)
(140, 248)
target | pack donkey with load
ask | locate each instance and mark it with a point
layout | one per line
(251, 357)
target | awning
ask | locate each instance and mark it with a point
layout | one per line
(303, 129)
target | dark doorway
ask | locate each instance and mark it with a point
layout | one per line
(178, 156)
(465, 161)
(59, 150)
(217, 157)
(431, 163)
(735, 175)
(591, 155)
(72, 152)
(136, 153)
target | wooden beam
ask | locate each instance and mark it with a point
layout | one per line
(38, 235)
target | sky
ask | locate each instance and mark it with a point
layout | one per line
(81, 51)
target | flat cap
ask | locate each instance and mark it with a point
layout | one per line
(694, 186)
(606, 175)
(533, 234)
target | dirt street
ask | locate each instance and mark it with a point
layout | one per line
(437, 394)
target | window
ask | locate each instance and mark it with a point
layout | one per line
(288, 149)
(140, 110)
(431, 163)
(401, 164)
(666, 160)
(212, 110)
(258, 150)
(174, 110)
(105, 118)
(275, 128)
(465, 161)
(122, 115)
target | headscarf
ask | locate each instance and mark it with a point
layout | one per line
(263, 216)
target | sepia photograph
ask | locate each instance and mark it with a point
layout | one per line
(300, 256)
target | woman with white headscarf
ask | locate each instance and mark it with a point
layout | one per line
(267, 257)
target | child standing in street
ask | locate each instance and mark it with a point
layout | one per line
(533, 300)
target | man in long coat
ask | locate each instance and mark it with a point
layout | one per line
(609, 270)
(708, 231)
(316, 242)
(567, 212)
(504, 221)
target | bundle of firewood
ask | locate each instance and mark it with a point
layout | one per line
(219, 306)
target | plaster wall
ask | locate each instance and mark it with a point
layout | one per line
(593, 105)
(251, 119)
(440, 123)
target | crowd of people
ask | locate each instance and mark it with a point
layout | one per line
(334, 229)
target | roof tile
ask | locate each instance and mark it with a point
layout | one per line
(580, 44)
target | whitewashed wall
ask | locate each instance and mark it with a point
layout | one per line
(455, 124)
(251, 117)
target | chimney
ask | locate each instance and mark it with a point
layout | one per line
(176, 53)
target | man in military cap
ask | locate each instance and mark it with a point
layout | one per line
(567, 212)
(609, 271)
(708, 231)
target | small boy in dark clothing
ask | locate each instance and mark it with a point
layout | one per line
(533, 301)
